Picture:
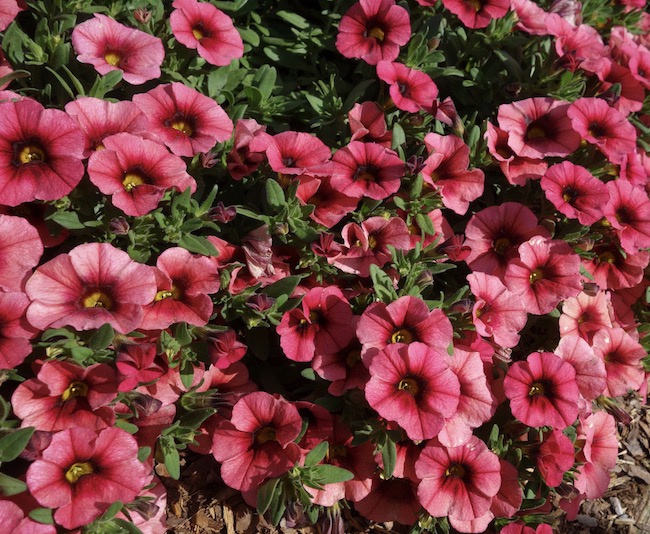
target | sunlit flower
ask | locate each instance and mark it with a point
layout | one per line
(20, 251)
(477, 13)
(410, 89)
(622, 356)
(108, 45)
(15, 332)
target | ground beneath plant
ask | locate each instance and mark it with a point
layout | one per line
(199, 503)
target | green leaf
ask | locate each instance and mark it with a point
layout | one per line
(67, 219)
(399, 137)
(112, 511)
(170, 456)
(317, 454)
(197, 245)
(284, 286)
(265, 495)
(329, 474)
(275, 195)
(389, 457)
(126, 426)
(105, 84)
(265, 80)
(293, 19)
(424, 222)
(12, 444)
(128, 526)
(383, 285)
(11, 486)
(182, 334)
(15, 75)
(42, 515)
(102, 338)
(194, 418)
(187, 374)
(144, 453)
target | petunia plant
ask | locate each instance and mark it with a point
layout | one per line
(370, 261)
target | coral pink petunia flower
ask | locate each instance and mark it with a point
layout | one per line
(458, 482)
(202, 26)
(40, 153)
(477, 13)
(90, 286)
(538, 128)
(184, 283)
(447, 170)
(8, 11)
(373, 30)
(410, 89)
(575, 192)
(543, 391)
(108, 45)
(575, 45)
(321, 325)
(585, 315)
(597, 434)
(546, 272)
(495, 233)
(15, 331)
(622, 355)
(242, 161)
(628, 212)
(554, 457)
(259, 441)
(613, 270)
(185, 120)
(405, 320)
(366, 170)
(589, 368)
(414, 386)
(497, 313)
(368, 123)
(330, 204)
(99, 118)
(135, 365)
(344, 369)
(137, 172)
(20, 251)
(393, 499)
(82, 472)
(293, 153)
(604, 126)
(64, 395)
(17, 520)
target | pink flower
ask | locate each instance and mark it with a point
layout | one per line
(628, 211)
(8, 11)
(477, 13)
(344, 368)
(597, 434)
(258, 443)
(108, 45)
(575, 45)
(64, 395)
(135, 364)
(368, 123)
(410, 89)
(458, 482)
(612, 270)
(83, 472)
(14, 519)
(538, 128)
(242, 161)
(575, 192)
(543, 391)
(98, 119)
(373, 30)
(393, 499)
(413, 385)
(554, 457)
(495, 233)
(40, 153)
(323, 324)
(407, 320)
(92, 285)
(604, 126)
(293, 153)
(532, 18)
(497, 313)
(546, 272)
(15, 331)
(366, 170)
(20, 251)
(202, 26)
(225, 348)
(137, 172)
(622, 356)
(184, 119)
(585, 315)
(330, 204)
(446, 169)
(589, 368)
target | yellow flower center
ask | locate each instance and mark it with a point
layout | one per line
(455, 470)
(535, 133)
(409, 385)
(31, 154)
(197, 33)
(173, 293)
(535, 275)
(607, 257)
(112, 58)
(264, 435)
(537, 389)
(75, 389)
(476, 4)
(97, 299)
(372, 242)
(501, 244)
(183, 126)
(131, 181)
(376, 33)
(401, 336)
(76, 471)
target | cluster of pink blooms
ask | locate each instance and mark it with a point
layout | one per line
(432, 376)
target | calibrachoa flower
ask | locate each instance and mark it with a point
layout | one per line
(185, 120)
(597, 435)
(92, 285)
(622, 356)
(293, 153)
(543, 391)
(40, 153)
(589, 368)
(108, 45)
(458, 482)
(258, 442)
(321, 325)
(15, 520)
(64, 395)
(410, 89)
(15, 332)
(368, 123)
(82, 472)
(373, 30)
(628, 212)
(20, 251)
(477, 13)
(137, 172)
(414, 386)
(8, 11)
(202, 26)
(554, 457)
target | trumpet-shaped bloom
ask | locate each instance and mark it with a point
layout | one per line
(589, 368)
(90, 286)
(82, 472)
(622, 356)
(185, 120)
(293, 153)
(201, 26)
(15, 520)
(20, 251)
(40, 153)
(414, 386)
(108, 45)
(373, 30)
(368, 123)
(15, 332)
(543, 391)
(628, 211)
(410, 89)
(330, 204)
(613, 270)
(555, 456)
(477, 13)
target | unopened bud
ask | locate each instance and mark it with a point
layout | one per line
(119, 226)
(142, 15)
